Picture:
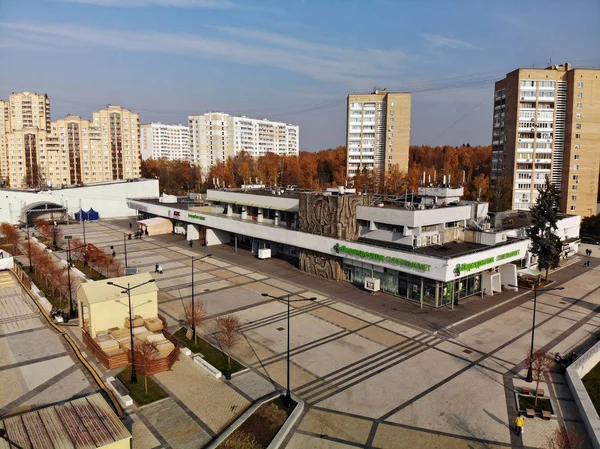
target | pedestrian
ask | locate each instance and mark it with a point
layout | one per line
(114, 253)
(146, 231)
(160, 270)
(191, 243)
(156, 268)
(519, 422)
(130, 225)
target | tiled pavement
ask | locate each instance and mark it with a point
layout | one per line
(369, 381)
(36, 366)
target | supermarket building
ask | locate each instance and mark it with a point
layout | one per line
(432, 248)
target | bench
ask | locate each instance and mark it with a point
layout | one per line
(530, 413)
(546, 414)
(525, 390)
(540, 392)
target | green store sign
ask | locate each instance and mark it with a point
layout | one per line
(197, 217)
(480, 263)
(389, 259)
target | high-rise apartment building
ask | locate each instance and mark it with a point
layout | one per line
(28, 110)
(171, 142)
(547, 124)
(25, 129)
(35, 153)
(378, 131)
(215, 136)
(82, 144)
(120, 132)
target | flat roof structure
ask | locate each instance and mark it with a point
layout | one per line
(83, 423)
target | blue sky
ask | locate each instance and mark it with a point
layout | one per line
(288, 60)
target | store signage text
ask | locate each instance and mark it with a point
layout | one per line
(389, 259)
(480, 263)
(197, 217)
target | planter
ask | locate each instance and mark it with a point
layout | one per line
(279, 437)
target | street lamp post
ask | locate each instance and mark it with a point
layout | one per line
(83, 221)
(29, 246)
(288, 394)
(125, 245)
(71, 310)
(193, 318)
(529, 377)
(127, 290)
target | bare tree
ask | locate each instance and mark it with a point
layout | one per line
(228, 334)
(144, 353)
(563, 438)
(540, 365)
(194, 316)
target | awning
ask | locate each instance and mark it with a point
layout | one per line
(156, 225)
(529, 272)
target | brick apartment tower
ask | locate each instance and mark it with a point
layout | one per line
(377, 131)
(547, 124)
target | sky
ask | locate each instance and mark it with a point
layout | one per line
(289, 60)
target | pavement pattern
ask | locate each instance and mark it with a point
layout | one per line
(438, 380)
(36, 367)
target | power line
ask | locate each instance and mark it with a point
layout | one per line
(456, 122)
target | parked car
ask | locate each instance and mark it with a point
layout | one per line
(590, 241)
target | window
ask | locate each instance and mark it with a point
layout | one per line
(576, 147)
(393, 104)
(578, 136)
(392, 119)
(578, 126)
(576, 167)
(574, 187)
(578, 115)
(573, 197)
(575, 177)
(580, 84)
(572, 207)
(576, 157)
(579, 105)
(579, 94)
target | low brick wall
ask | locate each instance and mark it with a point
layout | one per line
(575, 373)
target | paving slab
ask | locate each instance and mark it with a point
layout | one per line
(392, 437)
(210, 399)
(472, 404)
(336, 354)
(364, 399)
(302, 441)
(253, 385)
(143, 438)
(174, 424)
(334, 425)
(291, 288)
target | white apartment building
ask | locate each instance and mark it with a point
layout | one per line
(215, 136)
(160, 141)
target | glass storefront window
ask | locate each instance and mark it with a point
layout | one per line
(390, 282)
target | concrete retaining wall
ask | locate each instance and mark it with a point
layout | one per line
(575, 373)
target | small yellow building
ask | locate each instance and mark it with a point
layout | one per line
(104, 306)
(83, 423)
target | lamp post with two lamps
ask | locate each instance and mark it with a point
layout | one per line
(128, 291)
(288, 395)
(193, 318)
(529, 377)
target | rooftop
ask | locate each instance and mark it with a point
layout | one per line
(99, 291)
(83, 423)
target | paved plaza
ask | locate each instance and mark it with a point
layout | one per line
(36, 365)
(368, 380)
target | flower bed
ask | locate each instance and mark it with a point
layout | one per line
(543, 404)
(260, 428)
